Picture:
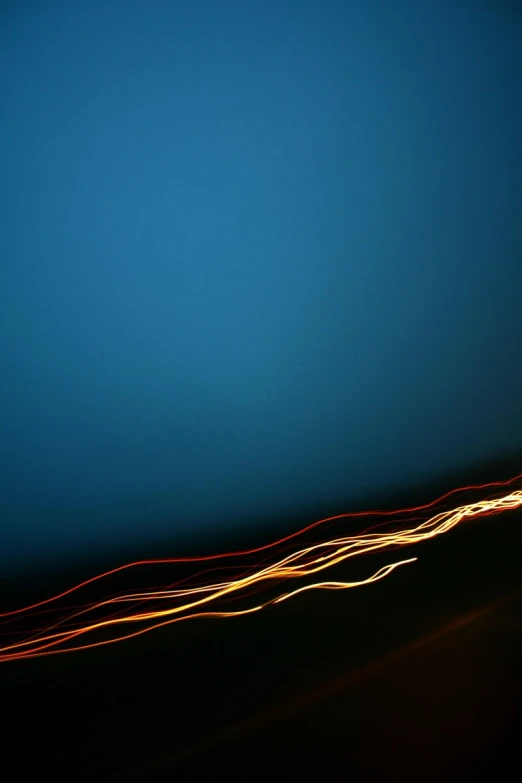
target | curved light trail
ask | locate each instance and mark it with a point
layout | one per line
(251, 579)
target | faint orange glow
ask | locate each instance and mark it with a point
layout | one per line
(47, 627)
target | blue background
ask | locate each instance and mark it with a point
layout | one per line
(256, 258)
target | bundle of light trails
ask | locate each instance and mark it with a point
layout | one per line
(232, 584)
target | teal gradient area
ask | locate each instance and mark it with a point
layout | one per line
(256, 258)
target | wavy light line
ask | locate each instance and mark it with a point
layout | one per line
(36, 631)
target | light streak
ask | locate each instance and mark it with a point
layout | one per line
(48, 627)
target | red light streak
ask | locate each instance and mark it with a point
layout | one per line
(49, 628)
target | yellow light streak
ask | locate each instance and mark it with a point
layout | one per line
(48, 628)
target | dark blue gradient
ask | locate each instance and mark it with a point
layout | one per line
(257, 258)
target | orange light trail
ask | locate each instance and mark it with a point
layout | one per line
(47, 627)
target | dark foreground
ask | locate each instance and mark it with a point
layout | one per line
(414, 678)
